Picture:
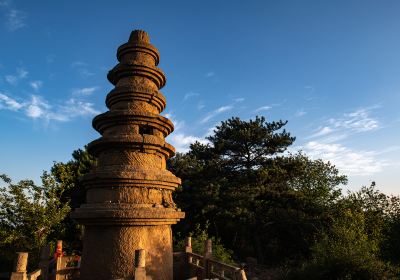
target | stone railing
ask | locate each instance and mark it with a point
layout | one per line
(20, 272)
(57, 267)
(187, 265)
(60, 267)
(205, 267)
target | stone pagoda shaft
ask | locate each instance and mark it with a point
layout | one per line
(129, 202)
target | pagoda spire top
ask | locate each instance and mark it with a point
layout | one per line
(139, 36)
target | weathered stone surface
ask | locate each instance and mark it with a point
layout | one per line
(129, 202)
(22, 261)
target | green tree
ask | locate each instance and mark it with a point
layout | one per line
(68, 176)
(29, 216)
(351, 248)
(199, 236)
(259, 200)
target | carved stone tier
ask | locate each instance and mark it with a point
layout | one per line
(129, 203)
(126, 214)
(123, 96)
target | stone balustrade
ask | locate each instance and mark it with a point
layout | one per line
(189, 265)
(205, 267)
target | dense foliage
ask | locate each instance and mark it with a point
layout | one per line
(286, 210)
(247, 192)
(30, 215)
(257, 198)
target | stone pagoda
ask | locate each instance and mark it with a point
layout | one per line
(129, 202)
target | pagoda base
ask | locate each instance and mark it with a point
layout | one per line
(109, 251)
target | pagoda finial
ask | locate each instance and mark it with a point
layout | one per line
(139, 36)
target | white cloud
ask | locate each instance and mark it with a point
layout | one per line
(85, 72)
(82, 68)
(178, 125)
(84, 91)
(200, 106)
(209, 74)
(322, 131)
(348, 161)
(75, 108)
(210, 130)
(36, 85)
(15, 20)
(181, 141)
(9, 103)
(20, 74)
(300, 113)
(240, 99)
(216, 112)
(358, 121)
(263, 108)
(39, 108)
(11, 79)
(189, 95)
(325, 143)
(349, 123)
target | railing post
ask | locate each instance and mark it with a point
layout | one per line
(207, 256)
(241, 274)
(188, 244)
(140, 265)
(188, 257)
(58, 255)
(44, 261)
(20, 267)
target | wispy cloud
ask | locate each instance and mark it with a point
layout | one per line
(300, 113)
(36, 85)
(200, 106)
(357, 121)
(263, 108)
(349, 123)
(76, 108)
(20, 74)
(209, 74)
(349, 161)
(76, 64)
(178, 125)
(324, 143)
(179, 138)
(190, 95)
(310, 88)
(82, 68)
(9, 103)
(50, 58)
(4, 3)
(238, 100)
(38, 108)
(322, 131)
(15, 19)
(182, 142)
(85, 91)
(216, 112)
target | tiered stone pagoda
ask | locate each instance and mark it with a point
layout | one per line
(129, 202)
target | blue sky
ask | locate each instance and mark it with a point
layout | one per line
(331, 68)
